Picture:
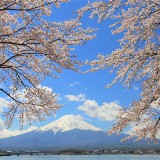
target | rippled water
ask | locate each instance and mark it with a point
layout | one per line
(84, 157)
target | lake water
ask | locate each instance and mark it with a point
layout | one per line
(84, 157)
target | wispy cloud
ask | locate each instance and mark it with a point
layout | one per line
(104, 112)
(156, 104)
(76, 98)
(3, 104)
(75, 84)
(21, 94)
(7, 133)
(136, 88)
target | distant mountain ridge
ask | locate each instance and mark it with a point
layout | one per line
(70, 131)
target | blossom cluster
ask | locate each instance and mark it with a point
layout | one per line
(137, 60)
(32, 48)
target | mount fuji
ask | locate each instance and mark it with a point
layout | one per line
(70, 131)
(67, 123)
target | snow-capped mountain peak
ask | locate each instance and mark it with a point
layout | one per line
(68, 122)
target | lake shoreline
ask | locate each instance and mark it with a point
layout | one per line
(82, 152)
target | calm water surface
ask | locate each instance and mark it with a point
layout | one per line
(84, 157)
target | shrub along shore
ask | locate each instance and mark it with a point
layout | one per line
(79, 152)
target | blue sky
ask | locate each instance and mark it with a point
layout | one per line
(85, 94)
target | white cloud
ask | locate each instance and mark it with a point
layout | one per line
(21, 94)
(7, 133)
(74, 84)
(105, 112)
(76, 98)
(136, 88)
(1, 125)
(3, 104)
(133, 128)
(156, 104)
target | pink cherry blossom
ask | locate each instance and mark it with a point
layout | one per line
(32, 48)
(137, 60)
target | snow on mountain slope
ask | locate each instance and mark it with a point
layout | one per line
(68, 122)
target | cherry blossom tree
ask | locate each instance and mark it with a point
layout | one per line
(32, 48)
(136, 61)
